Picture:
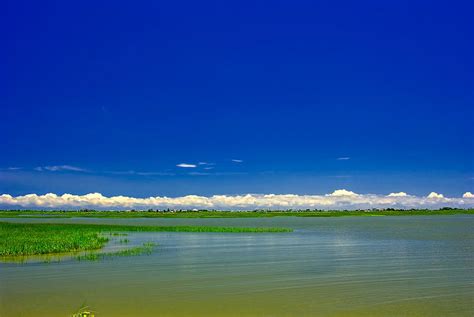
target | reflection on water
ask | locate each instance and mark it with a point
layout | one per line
(354, 266)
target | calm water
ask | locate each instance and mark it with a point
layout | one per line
(349, 266)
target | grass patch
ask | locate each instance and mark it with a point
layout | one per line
(116, 234)
(33, 239)
(146, 248)
(45, 238)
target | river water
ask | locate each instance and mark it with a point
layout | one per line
(344, 266)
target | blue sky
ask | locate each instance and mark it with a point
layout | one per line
(278, 97)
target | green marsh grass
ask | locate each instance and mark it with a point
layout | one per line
(35, 239)
(146, 248)
(18, 239)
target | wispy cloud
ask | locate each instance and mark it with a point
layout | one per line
(206, 163)
(132, 172)
(237, 161)
(230, 173)
(339, 199)
(343, 158)
(10, 168)
(198, 174)
(155, 173)
(60, 168)
(211, 173)
(186, 165)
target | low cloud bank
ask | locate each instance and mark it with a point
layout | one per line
(339, 199)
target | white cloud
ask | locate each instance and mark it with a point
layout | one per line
(344, 158)
(468, 195)
(342, 193)
(339, 199)
(237, 161)
(59, 168)
(400, 194)
(186, 165)
(434, 195)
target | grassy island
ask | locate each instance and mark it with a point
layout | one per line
(45, 238)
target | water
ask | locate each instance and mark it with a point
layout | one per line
(348, 266)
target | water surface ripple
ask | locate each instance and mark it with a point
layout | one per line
(347, 266)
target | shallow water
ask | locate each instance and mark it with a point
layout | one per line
(347, 266)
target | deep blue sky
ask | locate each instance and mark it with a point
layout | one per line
(128, 90)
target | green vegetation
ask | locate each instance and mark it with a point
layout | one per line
(32, 239)
(229, 214)
(146, 248)
(45, 238)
